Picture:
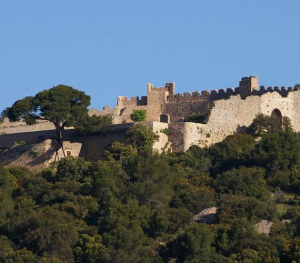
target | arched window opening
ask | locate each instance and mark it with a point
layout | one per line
(277, 116)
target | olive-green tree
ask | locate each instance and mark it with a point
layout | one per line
(141, 137)
(62, 105)
(138, 115)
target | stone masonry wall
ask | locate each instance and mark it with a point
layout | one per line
(8, 127)
(229, 112)
(228, 116)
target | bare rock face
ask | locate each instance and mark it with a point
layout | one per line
(207, 215)
(264, 226)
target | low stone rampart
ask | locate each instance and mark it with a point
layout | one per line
(7, 127)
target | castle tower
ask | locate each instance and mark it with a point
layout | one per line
(247, 85)
(156, 100)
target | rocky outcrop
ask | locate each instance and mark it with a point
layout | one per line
(264, 227)
(207, 215)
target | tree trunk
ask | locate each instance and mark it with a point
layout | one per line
(59, 140)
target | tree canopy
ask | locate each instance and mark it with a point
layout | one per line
(138, 115)
(62, 105)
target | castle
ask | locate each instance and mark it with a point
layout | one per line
(229, 111)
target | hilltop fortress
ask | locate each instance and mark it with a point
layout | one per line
(229, 111)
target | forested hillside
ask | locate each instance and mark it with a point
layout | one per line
(138, 206)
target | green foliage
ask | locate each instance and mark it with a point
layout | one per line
(141, 138)
(138, 115)
(194, 245)
(7, 185)
(106, 179)
(279, 153)
(61, 105)
(153, 180)
(16, 143)
(200, 117)
(245, 181)
(197, 117)
(90, 249)
(239, 206)
(22, 109)
(124, 235)
(234, 151)
(92, 124)
(70, 168)
(266, 124)
(3, 114)
(118, 151)
(166, 131)
(194, 194)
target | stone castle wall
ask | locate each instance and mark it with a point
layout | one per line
(228, 116)
(7, 127)
(231, 110)
(36, 149)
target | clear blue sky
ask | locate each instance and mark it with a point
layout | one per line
(110, 48)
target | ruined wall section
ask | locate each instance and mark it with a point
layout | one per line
(123, 109)
(226, 117)
(180, 106)
(181, 110)
(154, 104)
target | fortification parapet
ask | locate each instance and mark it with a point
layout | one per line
(133, 101)
(178, 95)
(222, 92)
(204, 93)
(276, 88)
(229, 91)
(283, 91)
(169, 87)
(213, 94)
(195, 94)
(186, 95)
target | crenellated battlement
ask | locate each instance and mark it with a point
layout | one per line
(283, 91)
(226, 110)
(133, 101)
(163, 100)
(225, 94)
(203, 95)
(168, 88)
